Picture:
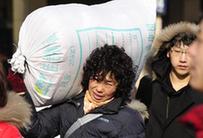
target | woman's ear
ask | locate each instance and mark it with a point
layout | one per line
(168, 54)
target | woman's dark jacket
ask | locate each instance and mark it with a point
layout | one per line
(117, 121)
(166, 108)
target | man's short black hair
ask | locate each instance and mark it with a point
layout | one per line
(185, 37)
(114, 60)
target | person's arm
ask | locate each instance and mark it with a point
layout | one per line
(144, 91)
(44, 124)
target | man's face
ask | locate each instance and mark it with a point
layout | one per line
(196, 54)
(180, 59)
(102, 90)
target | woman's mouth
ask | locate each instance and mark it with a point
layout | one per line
(97, 96)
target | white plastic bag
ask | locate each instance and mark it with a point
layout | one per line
(54, 42)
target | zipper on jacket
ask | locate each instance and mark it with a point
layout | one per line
(167, 106)
(167, 114)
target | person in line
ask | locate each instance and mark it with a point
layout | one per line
(14, 110)
(172, 96)
(108, 77)
(144, 90)
(15, 80)
(194, 117)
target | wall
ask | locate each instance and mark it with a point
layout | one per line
(21, 8)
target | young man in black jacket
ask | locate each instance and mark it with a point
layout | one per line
(108, 77)
(172, 96)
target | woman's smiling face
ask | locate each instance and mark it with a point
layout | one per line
(102, 90)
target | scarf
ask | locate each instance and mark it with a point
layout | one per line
(90, 104)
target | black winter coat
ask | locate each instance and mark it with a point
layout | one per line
(166, 108)
(144, 91)
(117, 121)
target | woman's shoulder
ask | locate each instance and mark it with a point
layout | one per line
(132, 120)
(9, 131)
(133, 112)
(5, 125)
(135, 106)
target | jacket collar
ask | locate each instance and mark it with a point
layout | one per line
(109, 108)
(167, 87)
(113, 107)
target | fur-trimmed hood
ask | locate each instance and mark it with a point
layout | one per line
(166, 35)
(16, 112)
(172, 30)
(140, 107)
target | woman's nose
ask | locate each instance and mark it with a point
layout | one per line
(100, 87)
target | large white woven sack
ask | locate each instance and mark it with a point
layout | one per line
(54, 42)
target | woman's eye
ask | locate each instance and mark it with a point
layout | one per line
(177, 51)
(109, 83)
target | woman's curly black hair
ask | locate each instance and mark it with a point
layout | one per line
(114, 60)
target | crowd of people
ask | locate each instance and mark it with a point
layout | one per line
(172, 94)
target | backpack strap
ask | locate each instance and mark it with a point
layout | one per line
(81, 121)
